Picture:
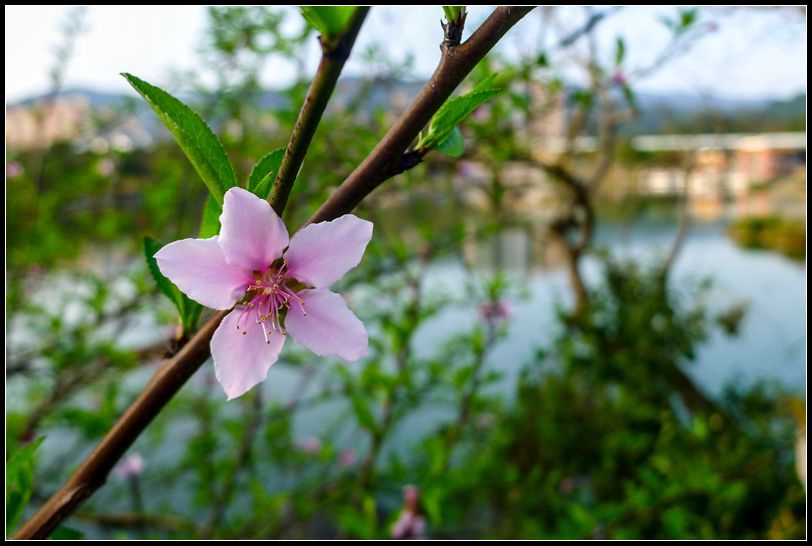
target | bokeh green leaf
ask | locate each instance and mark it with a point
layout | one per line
(197, 140)
(20, 482)
(189, 310)
(264, 172)
(330, 21)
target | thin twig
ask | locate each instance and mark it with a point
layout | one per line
(466, 401)
(334, 55)
(243, 456)
(389, 418)
(137, 520)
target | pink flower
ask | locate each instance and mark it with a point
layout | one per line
(619, 78)
(130, 466)
(465, 168)
(410, 523)
(310, 445)
(14, 169)
(347, 457)
(278, 291)
(494, 311)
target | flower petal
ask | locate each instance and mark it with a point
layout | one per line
(321, 253)
(241, 360)
(252, 234)
(199, 269)
(329, 327)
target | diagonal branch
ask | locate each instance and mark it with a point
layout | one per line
(175, 371)
(456, 63)
(385, 160)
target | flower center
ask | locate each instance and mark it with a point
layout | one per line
(268, 300)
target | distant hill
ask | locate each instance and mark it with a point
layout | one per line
(659, 113)
(694, 115)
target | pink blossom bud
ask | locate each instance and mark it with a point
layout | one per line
(310, 445)
(347, 457)
(494, 311)
(619, 78)
(410, 523)
(14, 169)
(129, 466)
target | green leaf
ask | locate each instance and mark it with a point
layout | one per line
(454, 145)
(362, 412)
(620, 50)
(631, 98)
(264, 172)
(188, 310)
(452, 113)
(583, 97)
(151, 246)
(198, 142)
(485, 84)
(210, 223)
(20, 482)
(687, 17)
(330, 21)
(453, 13)
(190, 315)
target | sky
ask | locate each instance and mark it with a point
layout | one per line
(753, 54)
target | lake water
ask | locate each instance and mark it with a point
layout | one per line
(771, 344)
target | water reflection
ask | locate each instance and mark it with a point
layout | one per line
(770, 344)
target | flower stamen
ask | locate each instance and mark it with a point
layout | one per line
(270, 295)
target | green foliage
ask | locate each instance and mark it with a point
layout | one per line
(771, 232)
(598, 445)
(682, 22)
(257, 29)
(638, 333)
(453, 13)
(192, 134)
(210, 222)
(264, 172)
(629, 95)
(453, 112)
(66, 533)
(188, 310)
(330, 21)
(453, 145)
(584, 98)
(620, 50)
(20, 482)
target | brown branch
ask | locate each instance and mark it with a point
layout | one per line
(334, 55)
(382, 429)
(135, 520)
(587, 27)
(93, 472)
(466, 401)
(455, 65)
(683, 224)
(581, 201)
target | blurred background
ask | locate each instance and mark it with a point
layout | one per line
(590, 325)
